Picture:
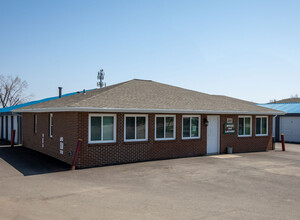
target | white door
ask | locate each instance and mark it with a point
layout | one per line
(290, 127)
(213, 135)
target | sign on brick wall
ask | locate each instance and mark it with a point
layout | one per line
(229, 128)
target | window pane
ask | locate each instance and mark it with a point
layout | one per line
(195, 127)
(130, 128)
(95, 128)
(169, 127)
(257, 125)
(186, 127)
(141, 127)
(108, 128)
(247, 126)
(159, 127)
(264, 126)
(241, 126)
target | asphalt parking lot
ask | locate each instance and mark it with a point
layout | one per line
(264, 185)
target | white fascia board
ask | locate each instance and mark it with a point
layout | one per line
(136, 110)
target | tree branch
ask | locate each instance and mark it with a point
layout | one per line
(12, 91)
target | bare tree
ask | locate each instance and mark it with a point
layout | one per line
(12, 91)
(295, 96)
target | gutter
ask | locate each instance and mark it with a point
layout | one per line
(135, 110)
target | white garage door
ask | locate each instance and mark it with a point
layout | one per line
(290, 127)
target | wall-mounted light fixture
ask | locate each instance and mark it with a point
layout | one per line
(205, 122)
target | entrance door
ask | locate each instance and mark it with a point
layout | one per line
(213, 135)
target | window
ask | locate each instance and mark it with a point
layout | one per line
(51, 125)
(102, 128)
(190, 126)
(245, 126)
(261, 126)
(136, 127)
(165, 127)
(35, 123)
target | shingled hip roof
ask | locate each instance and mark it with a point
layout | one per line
(148, 96)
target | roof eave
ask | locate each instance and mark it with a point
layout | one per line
(130, 110)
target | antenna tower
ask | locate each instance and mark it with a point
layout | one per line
(100, 77)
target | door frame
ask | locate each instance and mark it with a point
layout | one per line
(218, 134)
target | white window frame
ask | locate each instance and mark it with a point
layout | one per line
(261, 117)
(246, 116)
(115, 128)
(146, 130)
(51, 125)
(199, 126)
(174, 134)
(35, 123)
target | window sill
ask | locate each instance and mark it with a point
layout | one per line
(103, 142)
(190, 138)
(136, 140)
(261, 135)
(244, 136)
(166, 139)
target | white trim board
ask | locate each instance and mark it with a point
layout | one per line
(267, 127)
(146, 126)
(174, 127)
(114, 129)
(199, 127)
(137, 110)
(238, 128)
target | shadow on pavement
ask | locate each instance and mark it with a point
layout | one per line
(3, 142)
(30, 162)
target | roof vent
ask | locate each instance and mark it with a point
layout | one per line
(59, 92)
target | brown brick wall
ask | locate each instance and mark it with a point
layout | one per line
(64, 125)
(121, 152)
(245, 144)
(72, 126)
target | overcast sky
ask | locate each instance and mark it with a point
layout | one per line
(246, 49)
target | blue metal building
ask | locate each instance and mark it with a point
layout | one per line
(10, 121)
(288, 124)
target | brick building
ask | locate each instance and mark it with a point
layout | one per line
(141, 120)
